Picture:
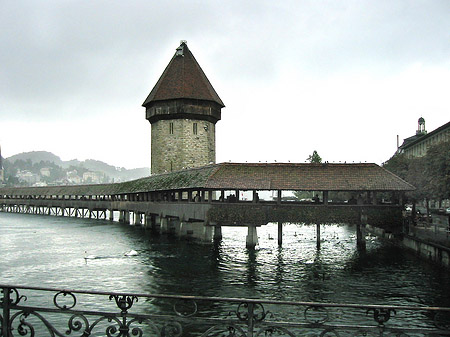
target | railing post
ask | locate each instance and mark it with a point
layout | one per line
(251, 320)
(5, 301)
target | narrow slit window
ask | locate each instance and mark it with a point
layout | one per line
(171, 128)
(194, 128)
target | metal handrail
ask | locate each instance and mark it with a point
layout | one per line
(26, 312)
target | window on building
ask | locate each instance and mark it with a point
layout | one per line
(171, 128)
(194, 129)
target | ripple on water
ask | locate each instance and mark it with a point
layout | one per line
(49, 251)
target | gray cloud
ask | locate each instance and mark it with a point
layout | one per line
(71, 59)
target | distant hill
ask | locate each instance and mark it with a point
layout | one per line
(36, 157)
(117, 173)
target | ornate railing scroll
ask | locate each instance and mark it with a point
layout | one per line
(40, 312)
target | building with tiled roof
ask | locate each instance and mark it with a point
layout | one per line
(183, 109)
(417, 145)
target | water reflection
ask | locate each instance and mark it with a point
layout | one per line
(49, 251)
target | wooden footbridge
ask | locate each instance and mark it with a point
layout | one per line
(197, 202)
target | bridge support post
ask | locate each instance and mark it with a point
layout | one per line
(156, 224)
(176, 227)
(360, 237)
(163, 225)
(280, 234)
(217, 232)
(252, 237)
(186, 229)
(208, 232)
(137, 218)
(318, 235)
(202, 232)
(196, 230)
(147, 220)
(361, 232)
(173, 225)
(111, 215)
(126, 217)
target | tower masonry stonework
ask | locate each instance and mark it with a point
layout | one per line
(182, 143)
(183, 109)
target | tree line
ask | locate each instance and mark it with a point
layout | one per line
(430, 174)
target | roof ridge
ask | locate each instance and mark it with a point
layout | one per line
(295, 163)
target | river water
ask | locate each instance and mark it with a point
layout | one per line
(49, 251)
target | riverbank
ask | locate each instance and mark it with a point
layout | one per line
(430, 242)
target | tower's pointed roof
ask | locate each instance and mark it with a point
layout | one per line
(183, 78)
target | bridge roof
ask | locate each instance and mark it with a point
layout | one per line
(248, 176)
(307, 177)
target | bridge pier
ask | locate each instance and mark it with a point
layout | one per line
(147, 220)
(208, 233)
(360, 237)
(217, 233)
(199, 231)
(202, 232)
(186, 229)
(280, 234)
(252, 237)
(137, 218)
(164, 225)
(124, 217)
(156, 224)
(361, 232)
(173, 226)
(318, 235)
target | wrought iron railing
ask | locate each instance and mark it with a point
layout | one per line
(33, 311)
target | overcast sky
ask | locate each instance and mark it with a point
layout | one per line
(340, 77)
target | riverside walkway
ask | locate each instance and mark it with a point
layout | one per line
(197, 202)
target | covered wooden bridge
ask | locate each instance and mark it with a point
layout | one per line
(197, 202)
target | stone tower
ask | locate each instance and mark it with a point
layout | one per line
(183, 109)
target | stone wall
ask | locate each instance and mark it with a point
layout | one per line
(428, 250)
(178, 144)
